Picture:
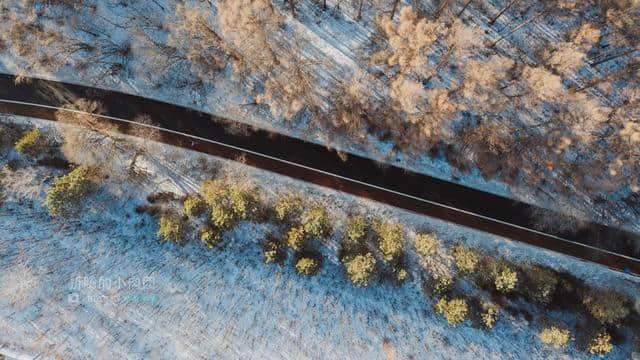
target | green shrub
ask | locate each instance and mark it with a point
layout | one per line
(442, 284)
(454, 310)
(31, 143)
(194, 205)
(171, 228)
(68, 189)
(555, 336)
(542, 284)
(466, 260)
(504, 277)
(360, 268)
(214, 191)
(296, 238)
(390, 239)
(600, 344)
(288, 207)
(356, 229)
(307, 266)
(606, 306)
(210, 237)
(244, 201)
(315, 221)
(274, 251)
(426, 244)
(489, 314)
(400, 275)
(221, 217)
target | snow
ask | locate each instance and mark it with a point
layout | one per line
(100, 285)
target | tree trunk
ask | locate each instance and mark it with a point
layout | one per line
(511, 32)
(360, 10)
(492, 21)
(395, 7)
(617, 75)
(464, 7)
(612, 57)
(292, 7)
(441, 8)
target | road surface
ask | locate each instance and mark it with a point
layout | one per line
(288, 156)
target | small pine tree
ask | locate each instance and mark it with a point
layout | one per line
(489, 314)
(221, 217)
(288, 207)
(454, 310)
(315, 221)
(442, 284)
(606, 306)
(426, 244)
(296, 238)
(244, 201)
(400, 276)
(210, 237)
(214, 191)
(171, 228)
(68, 189)
(466, 260)
(274, 251)
(360, 268)
(504, 277)
(541, 285)
(31, 143)
(356, 229)
(390, 239)
(600, 344)
(555, 336)
(307, 266)
(194, 206)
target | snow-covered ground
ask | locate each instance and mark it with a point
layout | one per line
(335, 36)
(100, 285)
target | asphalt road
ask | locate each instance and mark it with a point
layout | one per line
(320, 165)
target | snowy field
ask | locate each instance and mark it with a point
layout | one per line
(100, 285)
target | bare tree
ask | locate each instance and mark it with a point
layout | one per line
(408, 41)
(567, 57)
(250, 26)
(193, 32)
(289, 87)
(438, 110)
(482, 79)
(542, 85)
(90, 139)
(41, 49)
(408, 93)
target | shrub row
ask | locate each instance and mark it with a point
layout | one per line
(371, 247)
